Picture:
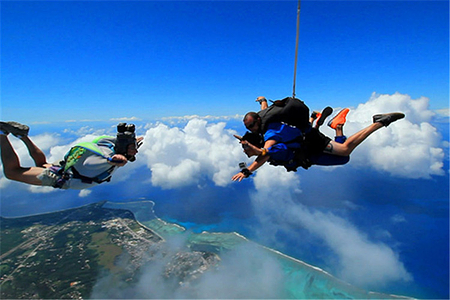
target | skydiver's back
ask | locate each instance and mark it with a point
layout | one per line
(289, 110)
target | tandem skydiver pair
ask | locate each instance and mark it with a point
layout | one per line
(283, 134)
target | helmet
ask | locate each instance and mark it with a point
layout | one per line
(125, 137)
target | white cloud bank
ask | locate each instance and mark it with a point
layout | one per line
(179, 157)
(246, 272)
(360, 261)
(410, 148)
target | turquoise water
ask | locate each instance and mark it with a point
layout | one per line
(300, 279)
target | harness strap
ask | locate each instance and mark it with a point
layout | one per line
(103, 177)
(67, 171)
(71, 172)
(300, 154)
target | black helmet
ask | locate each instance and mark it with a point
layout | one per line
(125, 137)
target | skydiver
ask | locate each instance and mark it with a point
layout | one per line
(293, 147)
(88, 170)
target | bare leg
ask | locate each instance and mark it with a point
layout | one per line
(353, 141)
(36, 154)
(11, 165)
(10, 159)
(340, 130)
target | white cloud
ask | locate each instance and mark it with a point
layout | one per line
(445, 112)
(36, 189)
(125, 119)
(3, 181)
(182, 174)
(181, 156)
(251, 272)
(269, 176)
(84, 193)
(416, 110)
(178, 119)
(245, 272)
(409, 148)
(89, 131)
(360, 261)
(398, 219)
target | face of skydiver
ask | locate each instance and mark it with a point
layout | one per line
(132, 150)
(252, 124)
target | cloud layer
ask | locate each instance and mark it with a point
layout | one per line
(182, 156)
(409, 148)
(246, 272)
(360, 261)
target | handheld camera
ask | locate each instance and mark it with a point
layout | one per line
(125, 136)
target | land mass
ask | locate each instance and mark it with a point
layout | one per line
(63, 255)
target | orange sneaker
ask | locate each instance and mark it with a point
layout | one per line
(339, 118)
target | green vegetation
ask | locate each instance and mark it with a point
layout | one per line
(61, 255)
(107, 252)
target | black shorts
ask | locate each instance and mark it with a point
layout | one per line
(315, 141)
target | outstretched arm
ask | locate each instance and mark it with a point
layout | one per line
(263, 101)
(118, 160)
(259, 161)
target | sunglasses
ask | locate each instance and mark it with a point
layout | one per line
(250, 126)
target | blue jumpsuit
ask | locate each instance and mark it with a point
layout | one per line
(289, 139)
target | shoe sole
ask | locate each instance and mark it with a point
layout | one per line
(16, 129)
(387, 119)
(325, 114)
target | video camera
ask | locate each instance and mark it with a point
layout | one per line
(125, 137)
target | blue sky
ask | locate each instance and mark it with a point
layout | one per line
(150, 59)
(71, 70)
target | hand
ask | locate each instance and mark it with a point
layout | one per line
(238, 177)
(118, 160)
(261, 99)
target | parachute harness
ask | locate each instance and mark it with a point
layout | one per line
(66, 171)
